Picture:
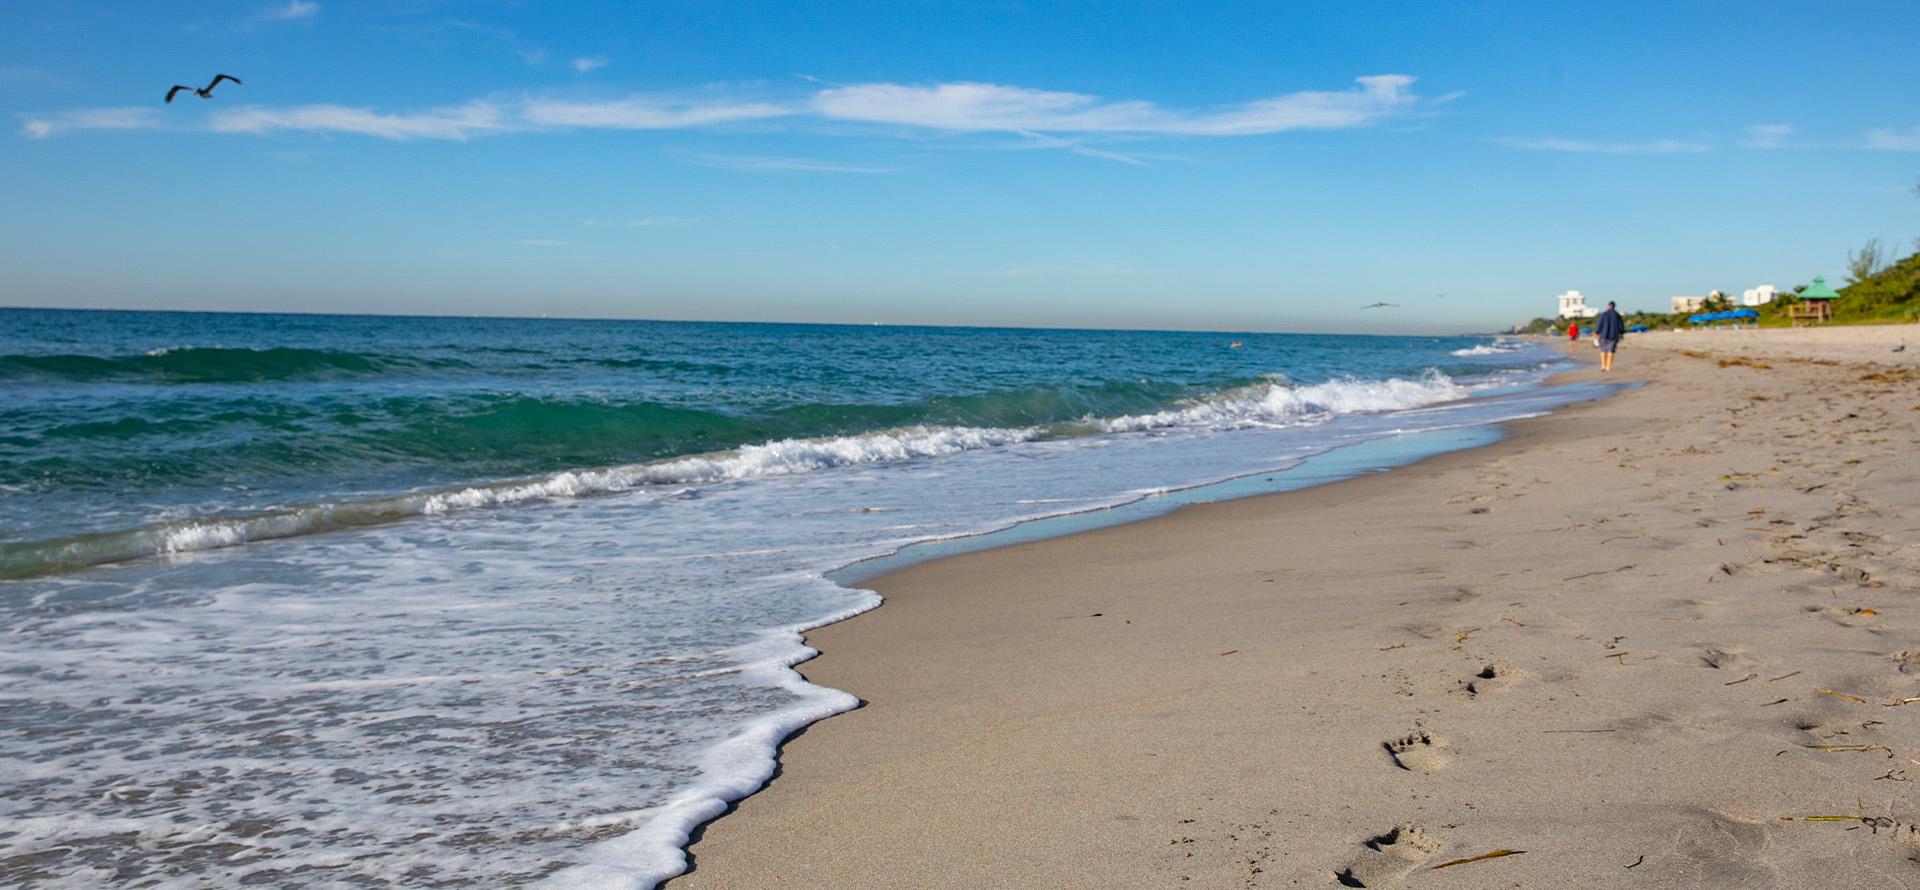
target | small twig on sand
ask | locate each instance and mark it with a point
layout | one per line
(1783, 677)
(1852, 698)
(1739, 681)
(1392, 647)
(1493, 855)
(1781, 701)
(1851, 748)
(1642, 858)
(1229, 652)
(1607, 572)
(1578, 730)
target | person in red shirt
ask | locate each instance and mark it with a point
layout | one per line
(1573, 333)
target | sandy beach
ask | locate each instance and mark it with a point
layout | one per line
(1667, 639)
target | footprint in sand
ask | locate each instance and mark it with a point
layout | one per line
(1492, 678)
(1727, 658)
(1850, 616)
(1384, 860)
(1420, 752)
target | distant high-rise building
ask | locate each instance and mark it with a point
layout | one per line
(1758, 296)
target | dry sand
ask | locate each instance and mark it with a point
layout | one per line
(1643, 640)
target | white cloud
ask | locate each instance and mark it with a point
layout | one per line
(295, 10)
(976, 107)
(585, 64)
(1658, 147)
(124, 118)
(457, 122)
(1037, 116)
(765, 164)
(1891, 139)
(644, 113)
(1767, 135)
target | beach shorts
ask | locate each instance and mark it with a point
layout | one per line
(1609, 345)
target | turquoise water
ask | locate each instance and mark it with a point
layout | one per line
(112, 422)
(420, 602)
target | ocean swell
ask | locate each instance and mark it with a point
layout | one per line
(1274, 402)
(212, 365)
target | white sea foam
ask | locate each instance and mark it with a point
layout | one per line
(1280, 404)
(1497, 347)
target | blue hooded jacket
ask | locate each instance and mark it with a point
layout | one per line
(1609, 326)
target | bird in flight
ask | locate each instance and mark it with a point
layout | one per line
(1381, 306)
(205, 92)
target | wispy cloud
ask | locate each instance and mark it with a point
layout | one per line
(293, 11)
(977, 107)
(125, 118)
(1767, 136)
(585, 64)
(504, 37)
(1890, 139)
(457, 122)
(1657, 147)
(644, 113)
(766, 164)
(1049, 119)
(1069, 145)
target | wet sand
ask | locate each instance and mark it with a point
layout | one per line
(1663, 640)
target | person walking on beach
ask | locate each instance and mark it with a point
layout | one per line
(1608, 329)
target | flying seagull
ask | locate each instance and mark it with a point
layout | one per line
(207, 92)
(1382, 306)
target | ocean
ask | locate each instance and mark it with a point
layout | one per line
(426, 602)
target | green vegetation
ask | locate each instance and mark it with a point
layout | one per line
(1881, 293)
(1652, 320)
(1891, 294)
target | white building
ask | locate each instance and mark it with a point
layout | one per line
(1758, 296)
(1686, 304)
(1573, 304)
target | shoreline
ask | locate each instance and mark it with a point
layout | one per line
(1014, 735)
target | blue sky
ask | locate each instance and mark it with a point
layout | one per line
(1170, 165)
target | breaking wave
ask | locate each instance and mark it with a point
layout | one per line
(1272, 402)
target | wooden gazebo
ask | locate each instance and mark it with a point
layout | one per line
(1815, 304)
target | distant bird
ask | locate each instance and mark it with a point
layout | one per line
(205, 93)
(1902, 347)
(1382, 306)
